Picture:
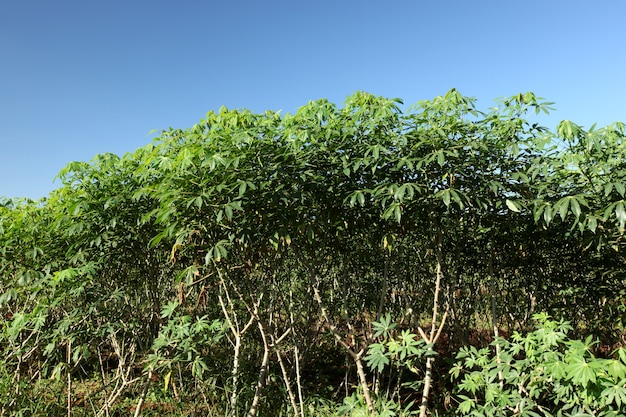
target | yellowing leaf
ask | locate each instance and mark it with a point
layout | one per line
(166, 380)
(512, 206)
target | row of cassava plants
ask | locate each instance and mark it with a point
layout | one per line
(250, 263)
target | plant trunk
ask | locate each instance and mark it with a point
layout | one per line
(235, 375)
(363, 381)
(494, 319)
(355, 356)
(434, 332)
(144, 393)
(286, 379)
(296, 354)
(233, 324)
(69, 378)
(260, 384)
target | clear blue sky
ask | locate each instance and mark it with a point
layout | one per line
(78, 78)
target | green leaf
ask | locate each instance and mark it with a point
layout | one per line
(383, 326)
(580, 372)
(575, 206)
(457, 198)
(441, 159)
(466, 405)
(198, 367)
(616, 369)
(620, 214)
(513, 206)
(361, 199)
(547, 214)
(242, 188)
(397, 212)
(446, 197)
(376, 358)
(592, 223)
(562, 206)
(539, 211)
(169, 309)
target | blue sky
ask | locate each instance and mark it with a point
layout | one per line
(78, 78)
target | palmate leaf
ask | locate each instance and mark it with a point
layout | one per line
(383, 326)
(198, 366)
(169, 309)
(376, 357)
(616, 369)
(580, 372)
(615, 394)
(467, 404)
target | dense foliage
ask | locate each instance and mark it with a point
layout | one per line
(330, 261)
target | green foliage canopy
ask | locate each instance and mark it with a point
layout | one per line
(243, 217)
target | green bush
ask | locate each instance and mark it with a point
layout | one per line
(542, 373)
